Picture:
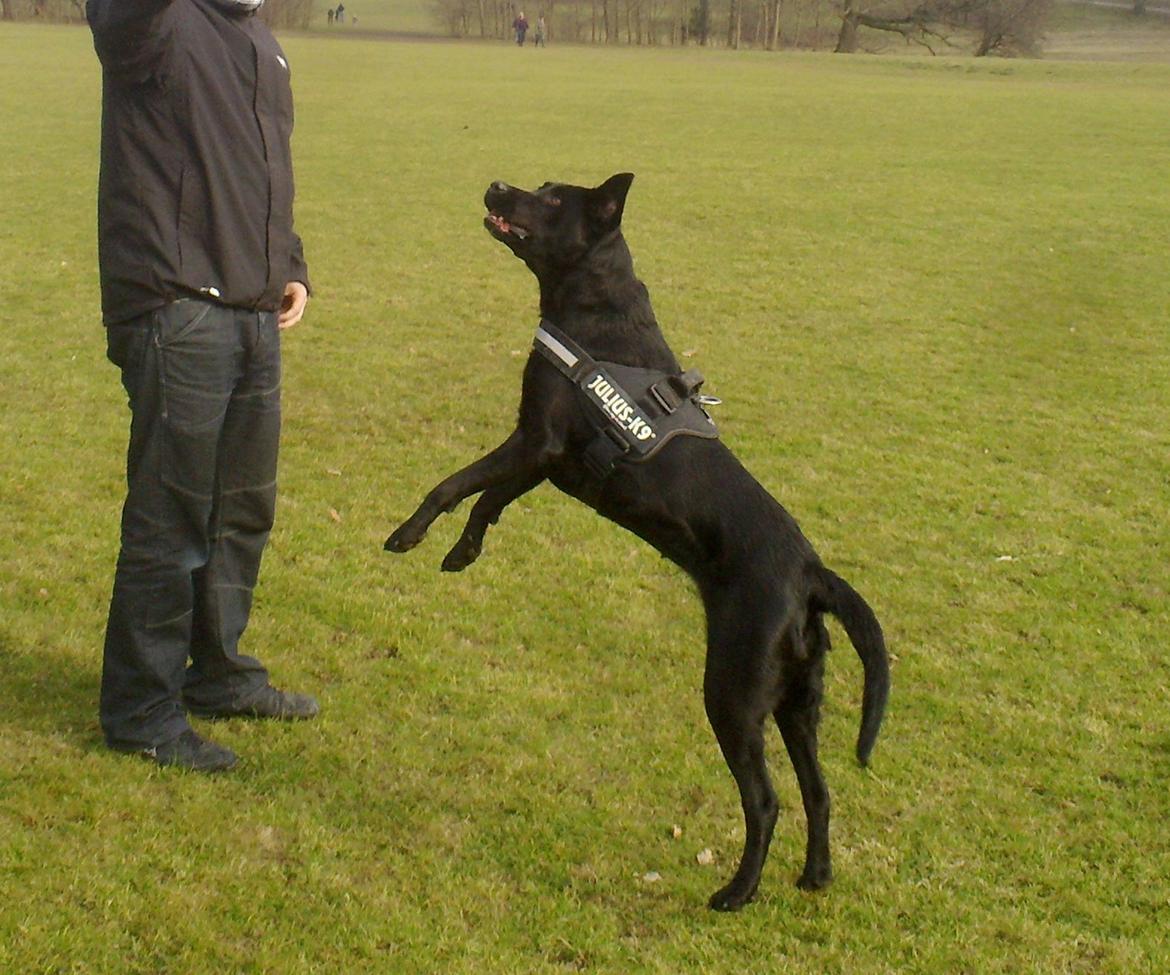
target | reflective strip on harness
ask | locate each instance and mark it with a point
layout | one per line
(635, 411)
(556, 347)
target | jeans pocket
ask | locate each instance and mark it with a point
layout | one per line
(179, 319)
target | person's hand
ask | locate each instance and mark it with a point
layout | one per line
(296, 296)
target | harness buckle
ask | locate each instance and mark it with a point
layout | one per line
(665, 397)
(673, 391)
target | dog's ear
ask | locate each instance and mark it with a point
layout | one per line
(607, 201)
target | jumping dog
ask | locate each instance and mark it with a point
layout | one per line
(608, 415)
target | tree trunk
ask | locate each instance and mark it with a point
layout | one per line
(847, 37)
(988, 42)
(6, 10)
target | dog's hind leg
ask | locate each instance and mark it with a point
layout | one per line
(738, 703)
(797, 716)
(506, 461)
(486, 511)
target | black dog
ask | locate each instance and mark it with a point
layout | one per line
(764, 588)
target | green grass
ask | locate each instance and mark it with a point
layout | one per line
(933, 295)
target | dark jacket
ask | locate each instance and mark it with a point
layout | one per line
(196, 189)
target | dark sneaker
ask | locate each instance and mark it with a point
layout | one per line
(268, 702)
(189, 751)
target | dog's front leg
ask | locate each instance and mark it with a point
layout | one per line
(494, 467)
(487, 512)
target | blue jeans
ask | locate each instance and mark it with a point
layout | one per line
(204, 388)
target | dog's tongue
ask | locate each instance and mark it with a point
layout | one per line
(506, 228)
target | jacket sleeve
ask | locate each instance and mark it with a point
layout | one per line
(131, 36)
(297, 269)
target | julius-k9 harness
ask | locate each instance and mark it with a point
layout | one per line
(634, 411)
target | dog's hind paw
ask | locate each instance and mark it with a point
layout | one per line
(460, 557)
(732, 897)
(815, 878)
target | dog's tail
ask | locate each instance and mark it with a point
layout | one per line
(843, 601)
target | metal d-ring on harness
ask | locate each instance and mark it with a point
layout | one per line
(635, 411)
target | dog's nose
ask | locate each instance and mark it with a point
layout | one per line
(499, 186)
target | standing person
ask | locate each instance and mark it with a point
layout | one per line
(538, 37)
(200, 271)
(520, 26)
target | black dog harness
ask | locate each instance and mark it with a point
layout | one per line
(634, 411)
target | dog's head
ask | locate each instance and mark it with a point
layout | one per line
(554, 227)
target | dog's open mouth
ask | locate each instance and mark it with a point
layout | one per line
(497, 222)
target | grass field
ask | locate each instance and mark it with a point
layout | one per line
(933, 296)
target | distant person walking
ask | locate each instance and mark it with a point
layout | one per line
(538, 37)
(329, 16)
(200, 272)
(520, 26)
(340, 15)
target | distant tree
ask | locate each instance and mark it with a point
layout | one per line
(287, 13)
(734, 24)
(700, 26)
(278, 13)
(1005, 27)
(915, 23)
(52, 10)
(454, 15)
(1010, 27)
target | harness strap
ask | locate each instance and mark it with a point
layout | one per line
(604, 451)
(555, 349)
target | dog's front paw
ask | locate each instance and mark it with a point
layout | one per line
(404, 538)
